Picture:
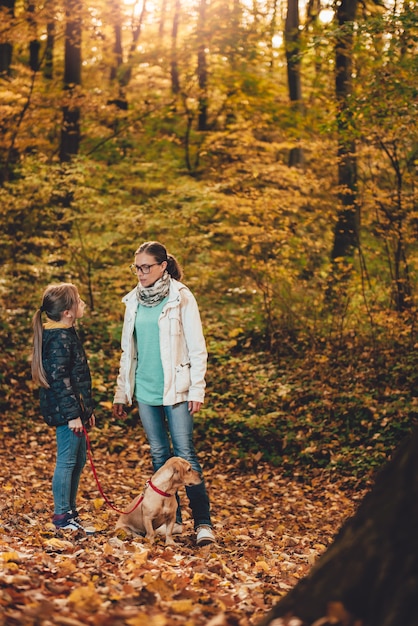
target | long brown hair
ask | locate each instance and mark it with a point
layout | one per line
(55, 300)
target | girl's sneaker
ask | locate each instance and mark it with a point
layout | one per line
(67, 521)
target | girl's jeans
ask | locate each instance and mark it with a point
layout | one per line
(71, 458)
(176, 420)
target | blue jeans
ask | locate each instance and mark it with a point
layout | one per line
(71, 458)
(162, 423)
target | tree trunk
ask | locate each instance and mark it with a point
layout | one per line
(161, 26)
(202, 69)
(346, 233)
(174, 69)
(117, 58)
(34, 48)
(7, 7)
(34, 43)
(124, 74)
(292, 39)
(369, 575)
(118, 78)
(49, 51)
(272, 29)
(48, 65)
(394, 228)
(70, 132)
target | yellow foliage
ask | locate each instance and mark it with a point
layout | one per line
(12, 567)
(139, 559)
(108, 550)
(122, 534)
(235, 332)
(106, 404)
(86, 598)
(66, 567)
(182, 607)
(262, 566)
(58, 545)
(10, 556)
(158, 586)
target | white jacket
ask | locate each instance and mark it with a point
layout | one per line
(182, 348)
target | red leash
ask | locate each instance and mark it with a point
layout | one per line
(98, 482)
(90, 455)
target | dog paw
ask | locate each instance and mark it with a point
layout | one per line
(170, 543)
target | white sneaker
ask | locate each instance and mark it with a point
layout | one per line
(204, 535)
(177, 530)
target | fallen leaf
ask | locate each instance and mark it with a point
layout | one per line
(85, 598)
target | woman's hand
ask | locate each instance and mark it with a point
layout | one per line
(76, 425)
(118, 411)
(194, 407)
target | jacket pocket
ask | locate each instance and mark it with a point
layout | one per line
(175, 326)
(183, 377)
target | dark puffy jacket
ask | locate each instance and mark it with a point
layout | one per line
(69, 395)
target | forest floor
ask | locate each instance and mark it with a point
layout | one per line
(270, 531)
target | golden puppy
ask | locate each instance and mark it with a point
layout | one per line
(158, 503)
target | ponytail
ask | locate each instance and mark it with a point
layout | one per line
(174, 267)
(38, 372)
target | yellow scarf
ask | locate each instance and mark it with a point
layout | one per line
(50, 325)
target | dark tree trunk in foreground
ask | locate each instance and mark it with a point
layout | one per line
(369, 575)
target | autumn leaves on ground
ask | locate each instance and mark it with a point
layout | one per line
(270, 531)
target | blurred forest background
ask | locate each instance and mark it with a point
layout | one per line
(272, 146)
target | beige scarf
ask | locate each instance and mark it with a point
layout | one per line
(151, 296)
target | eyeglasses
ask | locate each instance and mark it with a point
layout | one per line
(144, 269)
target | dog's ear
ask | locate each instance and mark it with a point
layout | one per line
(181, 468)
(178, 470)
(186, 467)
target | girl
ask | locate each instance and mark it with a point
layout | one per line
(60, 368)
(163, 364)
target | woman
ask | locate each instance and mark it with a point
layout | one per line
(163, 365)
